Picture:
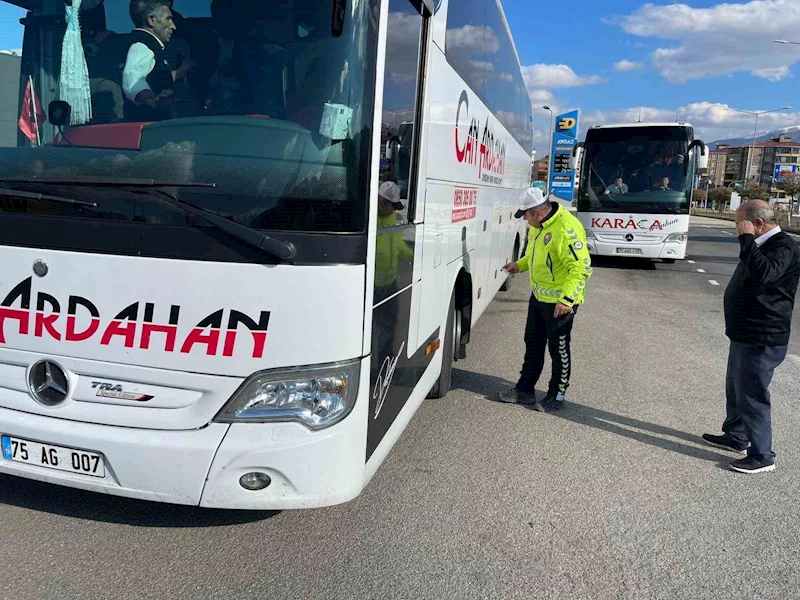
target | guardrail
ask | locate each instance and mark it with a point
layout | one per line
(783, 218)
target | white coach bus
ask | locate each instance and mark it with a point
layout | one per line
(636, 188)
(211, 306)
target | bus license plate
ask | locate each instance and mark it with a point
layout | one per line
(53, 457)
(629, 250)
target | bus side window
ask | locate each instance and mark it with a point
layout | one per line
(399, 101)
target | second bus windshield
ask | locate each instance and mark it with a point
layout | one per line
(637, 170)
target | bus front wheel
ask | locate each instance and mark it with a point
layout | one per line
(669, 261)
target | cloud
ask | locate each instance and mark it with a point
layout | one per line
(773, 73)
(556, 76)
(472, 38)
(540, 80)
(507, 77)
(403, 33)
(721, 40)
(12, 52)
(625, 65)
(711, 121)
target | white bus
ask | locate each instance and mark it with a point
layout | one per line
(211, 306)
(636, 188)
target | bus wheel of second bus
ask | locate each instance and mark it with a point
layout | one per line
(449, 350)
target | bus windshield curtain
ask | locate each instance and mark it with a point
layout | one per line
(74, 82)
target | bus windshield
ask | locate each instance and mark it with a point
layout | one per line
(271, 102)
(637, 169)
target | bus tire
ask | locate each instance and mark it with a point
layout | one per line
(442, 386)
(668, 261)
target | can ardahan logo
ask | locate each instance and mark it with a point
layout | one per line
(547, 238)
(480, 147)
(133, 327)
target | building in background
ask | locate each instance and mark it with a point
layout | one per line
(540, 168)
(9, 98)
(716, 165)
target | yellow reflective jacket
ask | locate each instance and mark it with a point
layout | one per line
(390, 249)
(558, 260)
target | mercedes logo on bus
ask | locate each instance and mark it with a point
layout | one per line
(629, 237)
(48, 383)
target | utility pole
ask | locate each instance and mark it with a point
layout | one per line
(549, 149)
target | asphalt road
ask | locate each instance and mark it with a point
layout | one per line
(612, 498)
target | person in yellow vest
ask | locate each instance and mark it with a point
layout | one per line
(390, 248)
(560, 267)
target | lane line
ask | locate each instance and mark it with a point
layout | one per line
(712, 282)
(701, 270)
(726, 232)
(691, 262)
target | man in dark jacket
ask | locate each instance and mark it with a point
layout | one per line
(759, 302)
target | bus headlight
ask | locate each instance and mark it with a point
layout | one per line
(589, 234)
(679, 237)
(317, 397)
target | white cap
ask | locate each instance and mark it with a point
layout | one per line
(530, 198)
(390, 192)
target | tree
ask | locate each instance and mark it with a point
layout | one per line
(792, 189)
(721, 197)
(754, 192)
(700, 196)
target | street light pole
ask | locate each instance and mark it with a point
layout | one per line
(549, 149)
(757, 114)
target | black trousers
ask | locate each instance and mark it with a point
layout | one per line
(749, 411)
(544, 330)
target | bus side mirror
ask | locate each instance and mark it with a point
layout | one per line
(702, 154)
(58, 112)
(392, 148)
(337, 20)
(702, 160)
(573, 159)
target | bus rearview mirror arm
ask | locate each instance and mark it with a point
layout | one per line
(423, 7)
(702, 158)
(573, 160)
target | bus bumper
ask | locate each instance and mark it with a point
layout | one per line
(203, 467)
(673, 251)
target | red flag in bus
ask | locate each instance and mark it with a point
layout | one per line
(27, 120)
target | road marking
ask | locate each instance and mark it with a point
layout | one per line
(701, 270)
(712, 282)
(726, 232)
(691, 262)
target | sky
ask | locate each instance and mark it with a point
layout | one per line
(693, 59)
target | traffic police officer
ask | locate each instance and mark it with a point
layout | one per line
(559, 265)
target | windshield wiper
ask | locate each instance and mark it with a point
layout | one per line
(661, 207)
(9, 193)
(109, 182)
(285, 251)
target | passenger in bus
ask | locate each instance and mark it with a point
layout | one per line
(664, 184)
(148, 79)
(618, 188)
